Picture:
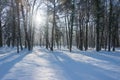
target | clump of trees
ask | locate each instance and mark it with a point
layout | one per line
(85, 23)
(80, 23)
(16, 24)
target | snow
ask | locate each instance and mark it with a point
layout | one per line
(42, 64)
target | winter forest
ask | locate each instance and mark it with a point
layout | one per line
(59, 39)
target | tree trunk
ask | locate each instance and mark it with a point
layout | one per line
(1, 44)
(47, 41)
(72, 22)
(110, 25)
(97, 25)
(18, 25)
(13, 24)
(53, 28)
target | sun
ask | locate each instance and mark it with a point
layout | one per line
(39, 18)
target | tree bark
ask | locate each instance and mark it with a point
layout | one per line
(110, 25)
(1, 44)
(97, 25)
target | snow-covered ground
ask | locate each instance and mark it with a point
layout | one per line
(42, 64)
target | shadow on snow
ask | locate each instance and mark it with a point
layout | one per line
(7, 62)
(77, 70)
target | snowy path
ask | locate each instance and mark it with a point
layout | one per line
(41, 64)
